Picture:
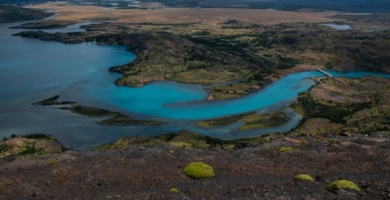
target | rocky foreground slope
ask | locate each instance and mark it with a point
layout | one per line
(151, 168)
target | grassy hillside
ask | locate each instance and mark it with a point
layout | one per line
(13, 14)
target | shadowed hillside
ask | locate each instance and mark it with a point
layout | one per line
(13, 14)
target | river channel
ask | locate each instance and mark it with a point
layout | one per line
(32, 70)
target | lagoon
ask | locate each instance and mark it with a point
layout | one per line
(32, 70)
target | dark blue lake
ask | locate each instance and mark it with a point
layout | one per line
(32, 70)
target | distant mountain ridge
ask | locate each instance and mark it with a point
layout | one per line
(21, 2)
(368, 6)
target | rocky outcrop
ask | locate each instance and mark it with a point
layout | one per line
(59, 37)
(37, 144)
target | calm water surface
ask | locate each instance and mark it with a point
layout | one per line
(32, 70)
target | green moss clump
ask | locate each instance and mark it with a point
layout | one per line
(174, 190)
(171, 151)
(53, 161)
(283, 149)
(343, 185)
(304, 177)
(199, 170)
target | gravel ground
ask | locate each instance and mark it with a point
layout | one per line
(260, 172)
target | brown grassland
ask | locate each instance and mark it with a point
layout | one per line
(208, 16)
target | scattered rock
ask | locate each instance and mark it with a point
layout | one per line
(242, 145)
(293, 140)
(210, 97)
(346, 134)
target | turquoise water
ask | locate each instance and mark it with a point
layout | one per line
(180, 101)
(32, 70)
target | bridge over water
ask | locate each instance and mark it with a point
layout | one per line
(324, 72)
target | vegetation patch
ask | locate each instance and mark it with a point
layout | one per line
(270, 119)
(284, 149)
(199, 170)
(116, 119)
(123, 142)
(37, 144)
(90, 111)
(223, 121)
(335, 112)
(39, 136)
(303, 177)
(4, 148)
(251, 120)
(188, 140)
(343, 185)
(344, 104)
(184, 145)
(173, 190)
(53, 161)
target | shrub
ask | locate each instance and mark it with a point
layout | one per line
(29, 150)
(283, 149)
(3, 148)
(53, 161)
(199, 170)
(304, 177)
(343, 185)
(37, 136)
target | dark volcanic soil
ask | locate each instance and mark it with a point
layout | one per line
(261, 172)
